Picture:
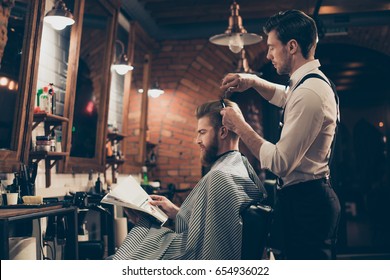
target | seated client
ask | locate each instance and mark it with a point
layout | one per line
(208, 224)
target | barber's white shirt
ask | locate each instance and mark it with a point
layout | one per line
(302, 153)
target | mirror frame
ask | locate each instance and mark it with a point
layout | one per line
(10, 160)
(97, 163)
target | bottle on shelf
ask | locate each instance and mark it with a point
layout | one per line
(152, 157)
(109, 183)
(39, 92)
(58, 144)
(145, 179)
(109, 149)
(90, 184)
(52, 98)
(53, 141)
(2, 191)
(115, 148)
(98, 185)
(16, 187)
(44, 100)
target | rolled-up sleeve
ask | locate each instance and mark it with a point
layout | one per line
(279, 98)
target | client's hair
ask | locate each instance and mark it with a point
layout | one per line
(212, 110)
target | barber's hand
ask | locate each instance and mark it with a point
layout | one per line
(234, 82)
(165, 204)
(232, 119)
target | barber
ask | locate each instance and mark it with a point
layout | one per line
(309, 207)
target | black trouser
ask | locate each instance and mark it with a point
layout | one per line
(310, 214)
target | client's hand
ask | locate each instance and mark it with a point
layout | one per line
(165, 204)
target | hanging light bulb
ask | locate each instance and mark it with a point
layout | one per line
(59, 16)
(155, 91)
(235, 36)
(235, 43)
(121, 64)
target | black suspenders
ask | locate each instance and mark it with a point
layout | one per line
(332, 85)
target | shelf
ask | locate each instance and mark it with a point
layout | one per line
(48, 119)
(150, 165)
(112, 161)
(50, 122)
(111, 136)
(150, 145)
(48, 157)
(38, 155)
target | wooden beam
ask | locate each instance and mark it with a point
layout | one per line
(144, 107)
(127, 85)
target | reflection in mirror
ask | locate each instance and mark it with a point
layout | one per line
(85, 114)
(19, 36)
(12, 29)
(53, 62)
(115, 112)
(92, 87)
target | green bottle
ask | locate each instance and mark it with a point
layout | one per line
(145, 175)
(40, 91)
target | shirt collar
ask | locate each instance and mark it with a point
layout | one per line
(304, 69)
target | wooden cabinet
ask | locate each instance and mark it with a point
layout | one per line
(50, 122)
(22, 215)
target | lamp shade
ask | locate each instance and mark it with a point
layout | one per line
(59, 16)
(235, 36)
(121, 64)
(155, 91)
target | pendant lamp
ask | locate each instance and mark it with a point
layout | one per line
(121, 64)
(235, 36)
(59, 16)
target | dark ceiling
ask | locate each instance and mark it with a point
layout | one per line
(186, 19)
(354, 71)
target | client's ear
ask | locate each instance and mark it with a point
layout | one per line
(223, 132)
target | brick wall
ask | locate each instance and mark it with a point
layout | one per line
(190, 73)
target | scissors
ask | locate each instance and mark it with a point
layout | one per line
(224, 96)
(222, 103)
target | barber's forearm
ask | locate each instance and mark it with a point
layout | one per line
(251, 139)
(264, 88)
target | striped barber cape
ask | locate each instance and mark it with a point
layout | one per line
(208, 224)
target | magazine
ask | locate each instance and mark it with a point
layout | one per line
(130, 194)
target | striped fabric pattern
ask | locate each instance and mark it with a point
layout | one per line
(208, 225)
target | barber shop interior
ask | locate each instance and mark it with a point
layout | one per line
(150, 129)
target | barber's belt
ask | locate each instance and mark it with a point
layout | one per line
(279, 182)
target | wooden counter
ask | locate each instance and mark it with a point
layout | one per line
(8, 216)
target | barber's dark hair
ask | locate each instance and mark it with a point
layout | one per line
(293, 24)
(212, 110)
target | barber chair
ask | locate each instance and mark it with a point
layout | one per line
(255, 233)
(270, 187)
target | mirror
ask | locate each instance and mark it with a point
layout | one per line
(136, 103)
(88, 125)
(19, 30)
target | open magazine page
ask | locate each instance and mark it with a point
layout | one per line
(130, 194)
(130, 191)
